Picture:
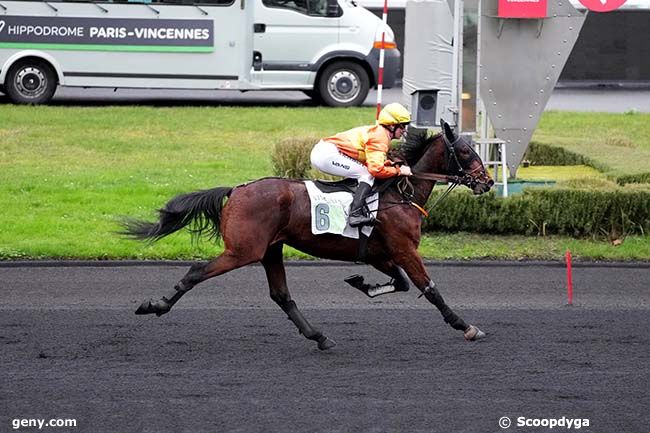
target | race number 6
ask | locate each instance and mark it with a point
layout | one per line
(322, 217)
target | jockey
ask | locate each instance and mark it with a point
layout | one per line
(360, 153)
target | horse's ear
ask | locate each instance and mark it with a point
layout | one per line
(448, 131)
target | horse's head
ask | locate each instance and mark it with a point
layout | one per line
(464, 162)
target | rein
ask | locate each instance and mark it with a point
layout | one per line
(405, 188)
(438, 177)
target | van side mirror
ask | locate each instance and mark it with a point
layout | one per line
(333, 8)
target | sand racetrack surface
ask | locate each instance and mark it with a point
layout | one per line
(226, 359)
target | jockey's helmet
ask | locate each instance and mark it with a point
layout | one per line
(394, 114)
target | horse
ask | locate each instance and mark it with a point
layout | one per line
(256, 219)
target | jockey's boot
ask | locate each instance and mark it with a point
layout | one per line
(359, 213)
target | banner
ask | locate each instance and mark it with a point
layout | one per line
(106, 34)
(522, 8)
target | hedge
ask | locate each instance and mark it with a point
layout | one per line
(633, 178)
(579, 213)
(584, 208)
(543, 154)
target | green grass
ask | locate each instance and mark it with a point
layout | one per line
(67, 174)
(466, 246)
(616, 144)
(558, 173)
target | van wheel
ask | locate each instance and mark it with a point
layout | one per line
(343, 84)
(30, 82)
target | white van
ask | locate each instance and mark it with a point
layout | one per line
(327, 48)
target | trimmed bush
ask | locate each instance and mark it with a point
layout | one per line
(610, 212)
(290, 157)
(543, 154)
(633, 178)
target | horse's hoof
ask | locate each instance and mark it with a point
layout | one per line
(325, 343)
(473, 333)
(149, 307)
(144, 308)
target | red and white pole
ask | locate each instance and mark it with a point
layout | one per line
(380, 75)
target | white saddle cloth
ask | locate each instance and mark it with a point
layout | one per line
(329, 212)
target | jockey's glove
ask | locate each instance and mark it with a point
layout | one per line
(405, 170)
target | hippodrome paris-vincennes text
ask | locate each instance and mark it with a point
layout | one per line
(109, 32)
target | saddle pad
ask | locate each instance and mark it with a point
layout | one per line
(329, 212)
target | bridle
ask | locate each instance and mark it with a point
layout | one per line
(464, 177)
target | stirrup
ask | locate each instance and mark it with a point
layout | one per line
(361, 220)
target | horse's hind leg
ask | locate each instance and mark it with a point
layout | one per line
(399, 280)
(277, 279)
(199, 272)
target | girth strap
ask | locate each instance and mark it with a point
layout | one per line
(362, 251)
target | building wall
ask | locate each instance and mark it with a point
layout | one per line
(612, 46)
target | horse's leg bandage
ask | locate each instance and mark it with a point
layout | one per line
(431, 293)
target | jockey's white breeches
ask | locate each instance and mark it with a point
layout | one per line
(326, 157)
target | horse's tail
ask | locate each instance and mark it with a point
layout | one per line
(201, 210)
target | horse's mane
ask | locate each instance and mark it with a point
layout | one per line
(416, 142)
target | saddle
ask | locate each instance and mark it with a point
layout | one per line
(350, 185)
(328, 186)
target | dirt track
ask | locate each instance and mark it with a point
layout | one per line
(228, 360)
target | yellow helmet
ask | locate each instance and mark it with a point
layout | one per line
(394, 114)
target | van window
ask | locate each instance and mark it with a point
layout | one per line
(308, 7)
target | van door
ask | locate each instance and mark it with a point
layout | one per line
(290, 36)
(178, 46)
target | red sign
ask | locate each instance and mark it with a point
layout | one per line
(602, 5)
(522, 8)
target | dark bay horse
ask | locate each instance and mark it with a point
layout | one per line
(257, 219)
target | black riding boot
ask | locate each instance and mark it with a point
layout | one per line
(359, 214)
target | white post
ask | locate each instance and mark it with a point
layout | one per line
(380, 78)
(457, 69)
(504, 170)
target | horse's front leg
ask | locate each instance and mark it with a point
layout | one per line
(414, 267)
